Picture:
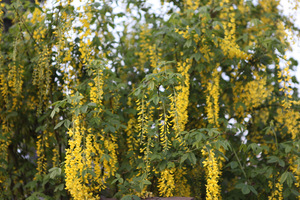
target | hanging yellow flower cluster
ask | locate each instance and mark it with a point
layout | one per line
(164, 130)
(5, 132)
(294, 168)
(40, 151)
(166, 182)
(145, 140)
(42, 76)
(110, 164)
(189, 4)
(130, 131)
(96, 93)
(15, 78)
(91, 158)
(65, 62)
(55, 158)
(88, 163)
(182, 188)
(277, 191)
(212, 98)
(145, 48)
(15, 82)
(142, 127)
(182, 95)
(179, 101)
(289, 119)
(155, 56)
(267, 5)
(78, 162)
(255, 92)
(228, 44)
(258, 116)
(42, 71)
(212, 175)
(4, 143)
(37, 15)
(284, 78)
(44, 142)
(251, 95)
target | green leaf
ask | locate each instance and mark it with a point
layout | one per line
(192, 158)
(60, 187)
(91, 172)
(234, 164)
(67, 123)
(281, 163)
(253, 189)
(156, 100)
(283, 177)
(146, 182)
(134, 197)
(114, 181)
(84, 108)
(272, 159)
(171, 165)
(213, 132)
(243, 147)
(245, 189)
(288, 148)
(59, 124)
(295, 192)
(239, 186)
(92, 104)
(54, 172)
(127, 197)
(188, 43)
(183, 158)
(52, 113)
(287, 177)
(137, 92)
(151, 85)
(77, 111)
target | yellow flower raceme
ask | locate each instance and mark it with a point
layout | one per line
(252, 95)
(277, 191)
(166, 182)
(179, 100)
(228, 44)
(4, 143)
(284, 78)
(41, 155)
(212, 99)
(89, 163)
(212, 175)
(164, 131)
(190, 4)
(96, 93)
(289, 119)
(85, 154)
(182, 188)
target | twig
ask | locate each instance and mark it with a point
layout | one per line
(21, 20)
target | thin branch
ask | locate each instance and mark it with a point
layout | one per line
(21, 20)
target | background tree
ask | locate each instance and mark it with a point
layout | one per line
(195, 100)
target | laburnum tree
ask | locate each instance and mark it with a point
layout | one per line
(117, 99)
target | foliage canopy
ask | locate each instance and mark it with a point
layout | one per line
(115, 99)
